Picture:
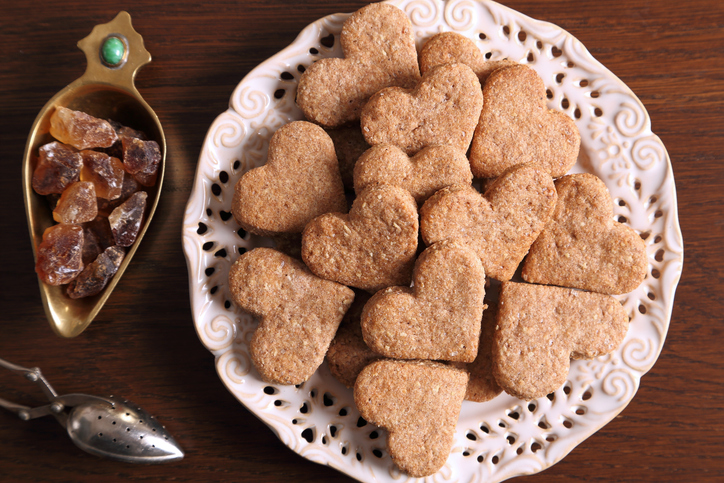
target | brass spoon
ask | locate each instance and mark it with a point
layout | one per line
(106, 90)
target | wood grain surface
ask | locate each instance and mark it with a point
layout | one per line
(143, 344)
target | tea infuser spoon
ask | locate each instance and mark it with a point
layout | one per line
(114, 53)
(107, 427)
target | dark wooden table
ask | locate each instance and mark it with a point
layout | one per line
(143, 344)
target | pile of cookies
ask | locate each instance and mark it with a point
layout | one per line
(392, 291)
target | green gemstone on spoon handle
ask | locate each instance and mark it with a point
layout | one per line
(112, 51)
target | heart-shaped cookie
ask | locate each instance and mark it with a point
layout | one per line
(419, 403)
(430, 170)
(482, 385)
(582, 246)
(436, 319)
(517, 127)
(299, 181)
(451, 47)
(499, 226)
(371, 248)
(299, 313)
(379, 51)
(541, 328)
(443, 108)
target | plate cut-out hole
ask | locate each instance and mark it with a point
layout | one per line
(241, 250)
(343, 450)
(659, 257)
(556, 52)
(471, 436)
(241, 232)
(657, 239)
(506, 30)
(227, 304)
(279, 93)
(313, 51)
(270, 390)
(565, 104)
(642, 309)
(216, 189)
(637, 185)
(598, 112)
(583, 82)
(374, 435)
(559, 78)
(621, 219)
(502, 423)
(225, 215)
(482, 36)
(595, 94)
(343, 412)
(510, 439)
(301, 68)
(361, 422)
(567, 423)
(570, 64)
(209, 271)
(621, 202)
(522, 36)
(278, 403)
(466, 453)
(308, 434)
(551, 396)
(327, 41)
(532, 407)
(530, 57)
(551, 437)
(513, 414)
(332, 431)
(236, 165)
(484, 428)
(579, 410)
(207, 246)
(587, 394)
(358, 456)
(567, 389)
(495, 460)
(209, 212)
(535, 446)
(328, 399)
(221, 253)
(481, 458)
(224, 177)
(378, 453)
(304, 409)
(202, 228)
(519, 450)
(543, 424)
(549, 94)
(287, 76)
(488, 55)
(324, 440)
(577, 113)
(651, 296)
(658, 214)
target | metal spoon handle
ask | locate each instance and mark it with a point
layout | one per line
(25, 412)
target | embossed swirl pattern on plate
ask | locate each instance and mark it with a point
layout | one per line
(504, 437)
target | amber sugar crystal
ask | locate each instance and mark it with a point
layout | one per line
(105, 172)
(59, 257)
(81, 130)
(77, 204)
(96, 275)
(126, 219)
(129, 186)
(142, 159)
(58, 166)
(97, 236)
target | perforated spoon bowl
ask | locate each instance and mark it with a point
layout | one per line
(106, 427)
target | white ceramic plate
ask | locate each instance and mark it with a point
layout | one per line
(502, 438)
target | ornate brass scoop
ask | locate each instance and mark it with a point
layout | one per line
(114, 53)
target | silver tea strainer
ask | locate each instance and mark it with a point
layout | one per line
(107, 427)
